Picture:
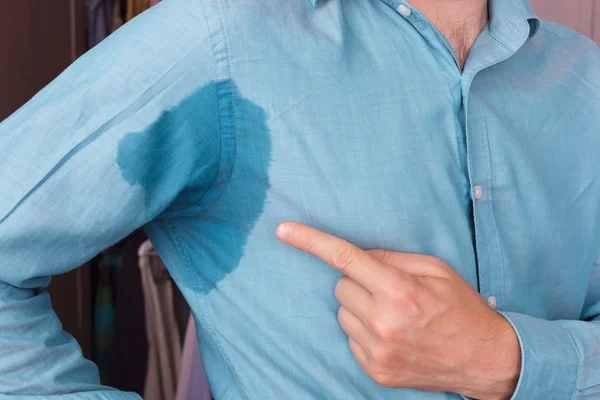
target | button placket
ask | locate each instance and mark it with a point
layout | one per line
(489, 254)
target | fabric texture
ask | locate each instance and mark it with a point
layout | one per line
(209, 123)
(192, 383)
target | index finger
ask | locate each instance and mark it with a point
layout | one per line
(340, 254)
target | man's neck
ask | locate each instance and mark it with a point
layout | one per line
(461, 21)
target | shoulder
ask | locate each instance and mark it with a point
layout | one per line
(157, 38)
(256, 16)
(561, 32)
(561, 39)
(564, 53)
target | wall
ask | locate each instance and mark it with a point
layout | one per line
(580, 15)
(38, 40)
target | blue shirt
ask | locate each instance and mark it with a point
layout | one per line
(209, 122)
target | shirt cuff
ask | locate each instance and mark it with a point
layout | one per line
(549, 359)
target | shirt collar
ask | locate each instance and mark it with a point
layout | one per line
(510, 20)
(507, 19)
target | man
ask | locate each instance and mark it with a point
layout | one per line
(212, 121)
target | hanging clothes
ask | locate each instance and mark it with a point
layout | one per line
(99, 20)
(130, 345)
(104, 313)
(119, 14)
(193, 384)
(136, 7)
(164, 338)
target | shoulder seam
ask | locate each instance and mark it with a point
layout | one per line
(225, 95)
(225, 100)
(542, 27)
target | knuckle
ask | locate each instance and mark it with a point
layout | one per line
(381, 356)
(388, 329)
(341, 286)
(405, 298)
(379, 254)
(410, 293)
(381, 328)
(439, 265)
(341, 315)
(385, 256)
(438, 262)
(394, 294)
(379, 376)
(343, 257)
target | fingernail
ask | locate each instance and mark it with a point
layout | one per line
(284, 232)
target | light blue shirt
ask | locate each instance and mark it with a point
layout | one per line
(209, 122)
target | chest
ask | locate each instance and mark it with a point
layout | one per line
(497, 176)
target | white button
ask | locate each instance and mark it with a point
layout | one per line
(477, 192)
(492, 302)
(402, 9)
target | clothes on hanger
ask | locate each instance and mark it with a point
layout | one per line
(193, 384)
(140, 318)
(164, 338)
(130, 345)
(99, 20)
(119, 14)
(136, 7)
(104, 313)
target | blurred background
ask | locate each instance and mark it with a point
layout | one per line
(38, 40)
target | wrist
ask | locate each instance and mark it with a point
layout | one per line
(508, 368)
(498, 366)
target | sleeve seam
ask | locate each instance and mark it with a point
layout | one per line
(193, 208)
(212, 51)
(565, 39)
(227, 147)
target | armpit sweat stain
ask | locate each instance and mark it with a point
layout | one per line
(228, 194)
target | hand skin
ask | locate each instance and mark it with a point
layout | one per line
(413, 322)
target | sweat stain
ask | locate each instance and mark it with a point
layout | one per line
(186, 158)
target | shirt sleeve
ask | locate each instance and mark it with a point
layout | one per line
(561, 359)
(127, 134)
